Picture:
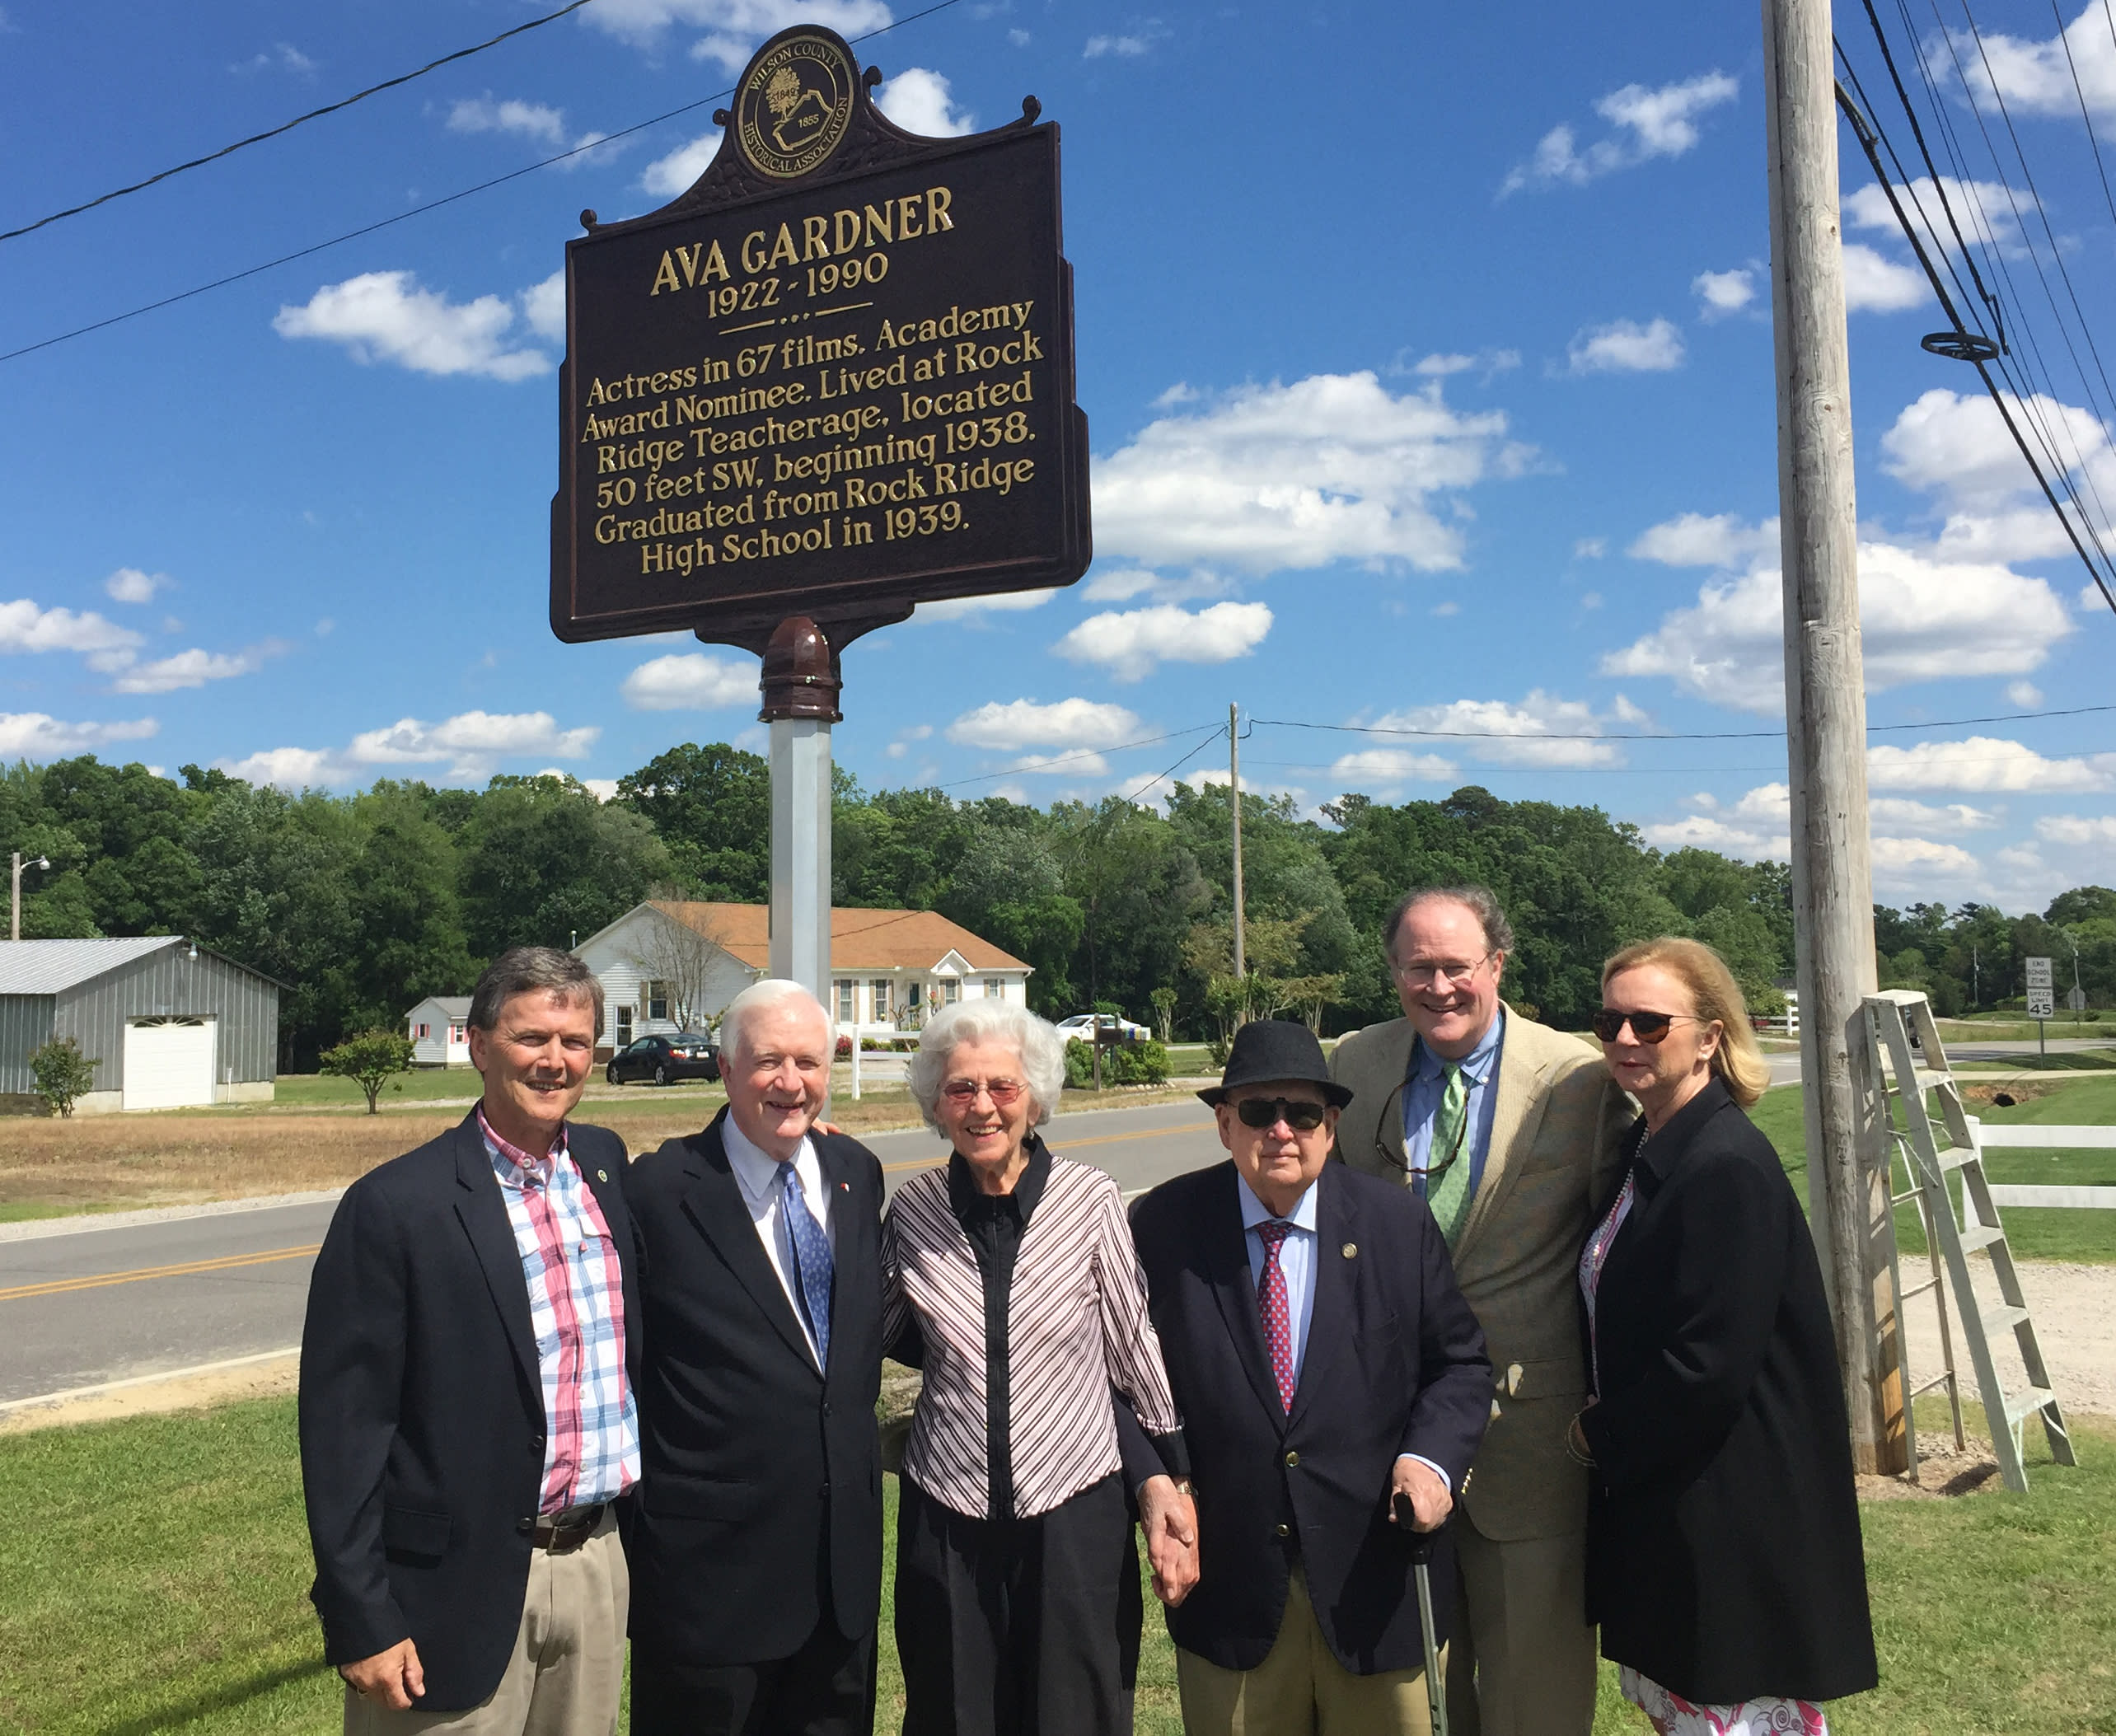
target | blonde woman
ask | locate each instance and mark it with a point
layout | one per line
(1723, 1560)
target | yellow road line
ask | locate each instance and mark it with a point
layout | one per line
(229, 1262)
(1100, 1139)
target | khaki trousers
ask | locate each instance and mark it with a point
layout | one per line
(1521, 1652)
(1300, 1689)
(567, 1669)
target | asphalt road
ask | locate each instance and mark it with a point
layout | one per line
(89, 1304)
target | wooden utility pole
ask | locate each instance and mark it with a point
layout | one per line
(1826, 724)
(1234, 804)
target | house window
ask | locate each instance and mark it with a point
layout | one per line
(844, 1000)
(951, 991)
(657, 992)
(880, 989)
(457, 1033)
(624, 1028)
(425, 1029)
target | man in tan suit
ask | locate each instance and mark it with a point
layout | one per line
(1508, 1128)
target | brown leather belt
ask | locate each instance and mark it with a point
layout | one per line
(562, 1533)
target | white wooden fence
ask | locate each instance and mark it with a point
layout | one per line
(2020, 1135)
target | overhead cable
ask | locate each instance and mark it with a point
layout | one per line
(1709, 735)
(329, 108)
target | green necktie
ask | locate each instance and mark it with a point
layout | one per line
(1448, 1192)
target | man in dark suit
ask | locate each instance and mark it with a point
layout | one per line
(467, 1411)
(756, 1543)
(1325, 1365)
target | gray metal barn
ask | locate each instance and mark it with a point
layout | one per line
(171, 1022)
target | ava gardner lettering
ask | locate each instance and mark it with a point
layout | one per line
(820, 237)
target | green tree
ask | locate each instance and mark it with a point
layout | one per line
(711, 805)
(400, 890)
(544, 861)
(1139, 891)
(371, 1059)
(62, 1074)
(1009, 887)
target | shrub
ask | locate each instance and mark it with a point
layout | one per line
(845, 1048)
(1132, 1064)
(63, 1075)
(369, 1059)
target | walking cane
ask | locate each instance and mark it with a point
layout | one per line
(1421, 1561)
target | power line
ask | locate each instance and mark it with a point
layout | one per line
(2086, 119)
(485, 186)
(1091, 753)
(1218, 730)
(259, 138)
(1715, 735)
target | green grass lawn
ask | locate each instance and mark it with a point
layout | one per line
(2089, 1236)
(155, 1570)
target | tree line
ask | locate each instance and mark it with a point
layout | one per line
(362, 905)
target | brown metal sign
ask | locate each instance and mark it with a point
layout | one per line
(833, 379)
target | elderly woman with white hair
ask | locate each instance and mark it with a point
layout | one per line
(1009, 1276)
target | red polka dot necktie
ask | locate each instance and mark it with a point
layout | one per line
(1271, 1300)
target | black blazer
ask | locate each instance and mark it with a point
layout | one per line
(422, 1415)
(758, 1511)
(1723, 1548)
(1395, 1364)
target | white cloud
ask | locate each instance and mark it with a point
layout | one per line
(1086, 763)
(471, 743)
(2037, 76)
(2026, 695)
(1024, 724)
(1874, 283)
(1755, 827)
(1018, 38)
(282, 54)
(2078, 832)
(1957, 817)
(288, 768)
(24, 627)
(1129, 644)
(31, 734)
(1128, 45)
(385, 315)
(1910, 865)
(1625, 347)
(1591, 548)
(691, 682)
(918, 101)
(1120, 584)
(1958, 444)
(1380, 769)
(1693, 540)
(1441, 364)
(1923, 619)
(1723, 293)
(130, 585)
(1987, 764)
(533, 120)
(603, 790)
(1648, 124)
(1984, 209)
(733, 28)
(1446, 609)
(544, 308)
(1525, 734)
(1275, 478)
(192, 668)
(667, 176)
(958, 608)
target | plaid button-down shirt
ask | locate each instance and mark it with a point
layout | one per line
(569, 1262)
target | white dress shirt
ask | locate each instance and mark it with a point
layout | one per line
(1297, 1266)
(756, 1174)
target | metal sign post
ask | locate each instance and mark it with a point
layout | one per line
(831, 381)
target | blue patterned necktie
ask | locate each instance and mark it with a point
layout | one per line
(810, 1252)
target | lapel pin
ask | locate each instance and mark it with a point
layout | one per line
(1350, 1250)
(602, 1175)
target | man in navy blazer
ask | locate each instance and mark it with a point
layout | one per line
(756, 1538)
(1324, 1363)
(467, 1401)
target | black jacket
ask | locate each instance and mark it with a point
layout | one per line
(1723, 1548)
(758, 1511)
(1395, 1364)
(422, 1415)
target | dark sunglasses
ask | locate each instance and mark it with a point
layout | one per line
(1648, 1027)
(1261, 1112)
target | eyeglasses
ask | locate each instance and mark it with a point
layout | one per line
(1001, 1091)
(1261, 1112)
(1423, 973)
(1646, 1028)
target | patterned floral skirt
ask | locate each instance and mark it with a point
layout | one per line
(1672, 1715)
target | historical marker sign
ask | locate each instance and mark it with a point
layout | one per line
(833, 379)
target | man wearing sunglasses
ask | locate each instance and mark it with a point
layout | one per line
(1509, 1129)
(1326, 1367)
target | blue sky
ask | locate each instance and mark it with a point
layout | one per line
(1425, 351)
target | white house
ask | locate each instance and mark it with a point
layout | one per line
(439, 1028)
(667, 966)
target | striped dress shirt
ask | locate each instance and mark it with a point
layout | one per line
(577, 1315)
(1077, 1326)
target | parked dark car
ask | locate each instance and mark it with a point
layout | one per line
(689, 1055)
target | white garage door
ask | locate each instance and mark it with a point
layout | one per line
(169, 1062)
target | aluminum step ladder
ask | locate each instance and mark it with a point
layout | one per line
(1937, 1140)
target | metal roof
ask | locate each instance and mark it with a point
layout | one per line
(453, 1006)
(52, 966)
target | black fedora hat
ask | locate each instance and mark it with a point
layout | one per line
(1271, 1052)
